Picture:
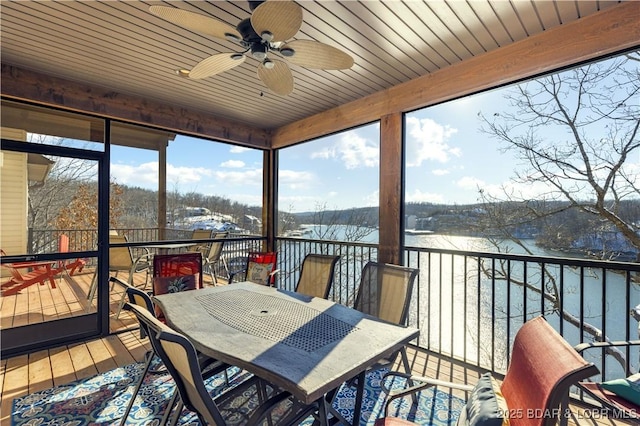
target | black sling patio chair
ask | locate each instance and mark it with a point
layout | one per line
(385, 292)
(253, 399)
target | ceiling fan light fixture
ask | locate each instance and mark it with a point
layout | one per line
(267, 36)
(182, 72)
(259, 51)
(232, 37)
(287, 52)
(268, 64)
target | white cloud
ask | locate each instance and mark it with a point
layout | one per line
(145, 175)
(233, 164)
(186, 175)
(238, 149)
(296, 180)
(125, 175)
(418, 196)
(298, 203)
(356, 151)
(251, 177)
(469, 182)
(441, 172)
(324, 154)
(249, 199)
(353, 150)
(372, 200)
(428, 140)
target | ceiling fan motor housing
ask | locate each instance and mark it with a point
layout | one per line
(252, 40)
(247, 32)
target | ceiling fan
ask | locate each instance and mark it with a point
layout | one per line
(265, 32)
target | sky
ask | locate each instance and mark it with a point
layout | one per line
(447, 159)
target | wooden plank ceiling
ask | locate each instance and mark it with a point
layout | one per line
(122, 47)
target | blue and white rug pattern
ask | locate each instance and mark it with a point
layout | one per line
(102, 400)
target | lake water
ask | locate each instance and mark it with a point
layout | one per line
(467, 314)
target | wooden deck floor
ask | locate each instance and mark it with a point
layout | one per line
(22, 375)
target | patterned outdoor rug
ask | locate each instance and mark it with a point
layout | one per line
(102, 400)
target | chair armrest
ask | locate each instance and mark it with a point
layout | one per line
(274, 272)
(145, 258)
(584, 346)
(611, 348)
(417, 383)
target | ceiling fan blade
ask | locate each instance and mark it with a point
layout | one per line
(281, 18)
(316, 55)
(216, 64)
(278, 79)
(195, 21)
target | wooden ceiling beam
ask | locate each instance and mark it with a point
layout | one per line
(610, 31)
(27, 85)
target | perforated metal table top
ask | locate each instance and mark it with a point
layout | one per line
(307, 346)
(274, 318)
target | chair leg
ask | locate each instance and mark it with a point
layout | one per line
(93, 287)
(212, 271)
(121, 304)
(148, 358)
(174, 401)
(224, 264)
(405, 360)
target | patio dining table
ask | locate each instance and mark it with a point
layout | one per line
(306, 346)
(165, 248)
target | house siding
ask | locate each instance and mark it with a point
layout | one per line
(13, 197)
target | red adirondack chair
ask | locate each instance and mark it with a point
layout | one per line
(37, 273)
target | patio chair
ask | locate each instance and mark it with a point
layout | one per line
(316, 275)
(38, 273)
(121, 259)
(260, 269)
(150, 326)
(534, 392)
(385, 292)
(201, 234)
(176, 272)
(619, 397)
(249, 403)
(213, 255)
(69, 267)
